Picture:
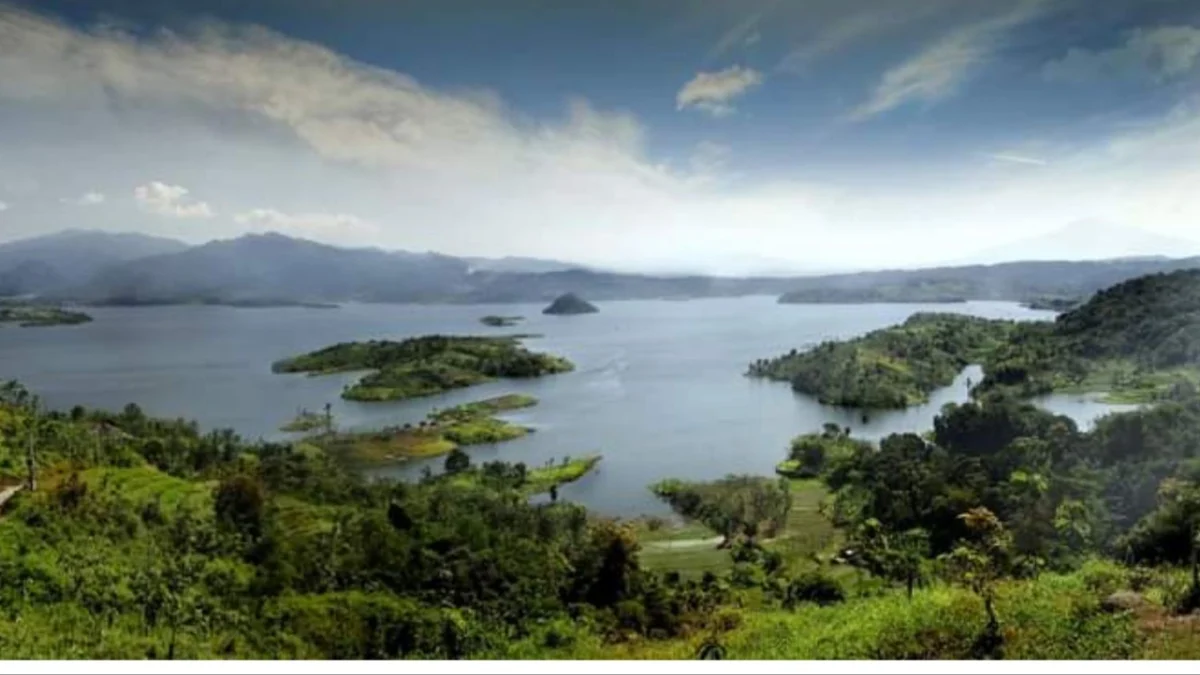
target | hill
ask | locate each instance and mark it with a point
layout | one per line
(1136, 340)
(569, 303)
(274, 266)
(53, 262)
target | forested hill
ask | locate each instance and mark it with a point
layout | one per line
(1154, 319)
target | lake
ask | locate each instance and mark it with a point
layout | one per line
(659, 387)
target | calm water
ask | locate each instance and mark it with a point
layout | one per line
(659, 388)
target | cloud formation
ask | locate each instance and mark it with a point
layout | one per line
(319, 225)
(1158, 54)
(86, 199)
(171, 201)
(743, 34)
(246, 117)
(1017, 159)
(943, 67)
(715, 92)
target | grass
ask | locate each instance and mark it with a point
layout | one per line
(442, 432)
(144, 484)
(1056, 616)
(1122, 382)
(542, 479)
(676, 548)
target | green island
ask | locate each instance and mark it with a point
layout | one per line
(440, 433)
(1052, 304)
(501, 321)
(307, 420)
(424, 366)
(889, 368)
(34, 316)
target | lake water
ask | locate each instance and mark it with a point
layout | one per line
(659, 387)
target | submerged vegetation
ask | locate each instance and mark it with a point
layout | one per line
(892, 367)
(424, 366)
(33, 316)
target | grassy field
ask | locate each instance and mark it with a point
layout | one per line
(144, 484)
(691, 548)
(1121, 382)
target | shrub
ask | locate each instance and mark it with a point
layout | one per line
(815, 587)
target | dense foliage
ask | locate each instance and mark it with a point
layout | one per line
(1137, 339)
(735, 506)
(424, 365)
(888, 368)
(146, 538)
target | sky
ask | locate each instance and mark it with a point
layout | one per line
(713, 137)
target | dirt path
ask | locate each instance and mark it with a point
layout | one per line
(683, 543)
(7, 493)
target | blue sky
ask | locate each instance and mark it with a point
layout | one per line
(708, 136)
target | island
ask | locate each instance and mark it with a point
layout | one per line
(916, 292)
(307, 420)
(29, 315)
(501, 321)
(569, 303)
(1052, 304)
(441, 432)
(889, 368)
(426, 365)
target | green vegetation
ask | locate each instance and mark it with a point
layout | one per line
(1052, 304)
(307, 420)
(909, 291)
(440, 433)
(811, 453)
(501, 321)
(1137, 341)
(425, 365)
(34, 316)
(544, 479)
(889, 368)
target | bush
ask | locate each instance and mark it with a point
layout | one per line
(815, 587)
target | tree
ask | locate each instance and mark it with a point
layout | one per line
(239, 504)
(457, 461)
(1171, 533)
(896, 556)
(978, 565)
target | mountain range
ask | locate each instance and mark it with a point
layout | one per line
(101, 268)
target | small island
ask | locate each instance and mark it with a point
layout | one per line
(307, 420)
(29, 315)
(569, 303)
(424, 366)
(501, 321)
(441, 432)
(1052, 304)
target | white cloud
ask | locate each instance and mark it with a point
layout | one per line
(939, 70)
(1017, 159)
(1160, 54)
(171, 201)
(318, 225)
(715, 92)
(86, 199)
(248, 118)
(3, 206)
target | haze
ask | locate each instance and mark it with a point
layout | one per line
(724, 138)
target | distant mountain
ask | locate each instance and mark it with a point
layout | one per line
(55, 261)
(276, 267)
(1089, 240)
(520, 264)
(1018, 281)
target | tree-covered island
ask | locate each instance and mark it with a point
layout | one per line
(423, 366)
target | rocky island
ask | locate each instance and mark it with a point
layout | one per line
(423, 366)
(569, 303)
